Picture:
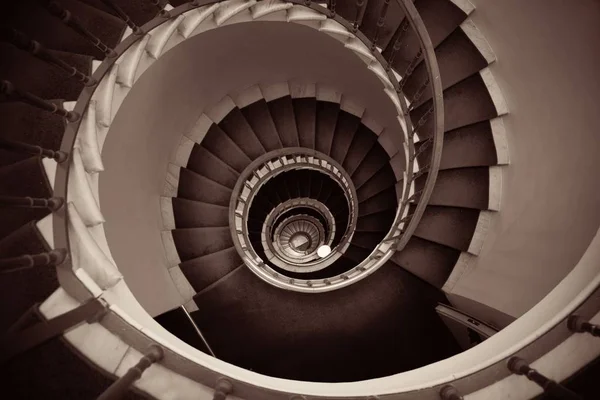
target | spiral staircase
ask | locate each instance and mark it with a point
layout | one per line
(309, 241)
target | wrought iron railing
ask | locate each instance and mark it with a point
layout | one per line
(546, 327)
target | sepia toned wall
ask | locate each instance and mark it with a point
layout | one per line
(547, 67)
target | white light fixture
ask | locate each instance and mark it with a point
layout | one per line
(323, 251)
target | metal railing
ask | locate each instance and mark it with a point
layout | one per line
(535, 339)
(253, 178)
(66, 275)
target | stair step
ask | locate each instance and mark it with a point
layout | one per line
(458, 58)
(195, 214)
(205, 163)
(327, 116)
(244, 336)
(384, 200)
(430, 261)
(25, 178)
(282, 112)
(381, 181)
(357, 254)
(259, 118)
(305, 112)
(222, 146)
(367, 240)
(462, 187)
(375, 160)
(441, 18)
(193, 186)
(195, 242)
(140, 11)
(468, 146)
(364, 139)
(451, 226)
(239, 130)
(345, 129)
(34, 75)
(23, 289)
(465, 103)
(379, 222)
(393, 19)
(37, 23)
(24, 123)
(206, 270)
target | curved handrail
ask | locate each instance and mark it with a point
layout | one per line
(435, 80)
(532, 340)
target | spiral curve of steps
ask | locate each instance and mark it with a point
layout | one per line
(450, 233)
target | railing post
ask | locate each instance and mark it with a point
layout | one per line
(360, 4)
(223, 388)
(74, 23)
(411, 67)
(123, 15)
(8, 89)
(51, 203)
(398, 43)
(19, 40)
(161, 9)
(380, 23)
(58, 156)
(419, 93)
(577, 324)
(449, 392)
(331, 7)
(13, 264)
(519, 366)
(118, 389)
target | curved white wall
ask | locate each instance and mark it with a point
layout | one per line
(167, 101)
(547, 57)
(547, 66)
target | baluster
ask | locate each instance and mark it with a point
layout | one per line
(13, 264)
(161, 9)
(58, 156)
(51, 203)
(519, 366)
(407, 218)
(411, 67)
(74, 23)
(421, 171)
(449, 392)
(398, 43)
(422, 148)
(19, 40)
(222, 389)
(415, 195)
(13, 93)
(380, 23)
(136, 29)
(118, 389)
(419, 93)
(360, 4)
(578, 324)
(331, 7)
(422, 120)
